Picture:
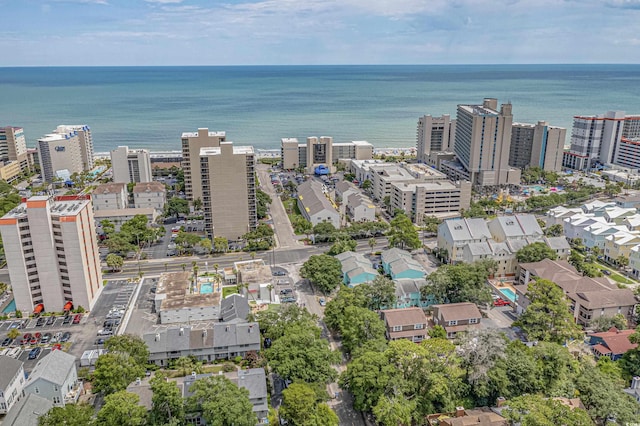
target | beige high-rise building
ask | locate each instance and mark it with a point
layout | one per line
(52, 253)
(228, 190)
(69, 147)
(321, 151)
(434, 134)
(14, 158)
(537, 145)
(192, 143)
(482, 142)
(131, 165)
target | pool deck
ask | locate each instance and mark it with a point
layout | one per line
(498, 284)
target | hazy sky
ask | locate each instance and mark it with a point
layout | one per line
(215, 32)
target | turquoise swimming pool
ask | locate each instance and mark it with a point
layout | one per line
(206, 288)
(508, 293)
(11, 307)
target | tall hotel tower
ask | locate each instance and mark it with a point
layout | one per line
(69, 147)
(434, 134)
(192, 143)
(52, 253)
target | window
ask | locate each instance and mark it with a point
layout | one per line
(55, 388)
(454, 322)
(36, 389)
(397, 328)
(473, 320)
(56, 400)
(418, 326)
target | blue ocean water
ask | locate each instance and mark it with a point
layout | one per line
(149, 107)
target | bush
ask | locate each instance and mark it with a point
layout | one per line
(227, 367)
(18, 313)
(237, 359)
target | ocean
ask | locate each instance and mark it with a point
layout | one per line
(150, 107)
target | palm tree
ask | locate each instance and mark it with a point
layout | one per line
(372, 243)
(184, 267)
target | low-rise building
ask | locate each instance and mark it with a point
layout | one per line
(256, 275)
(120, 216)
(356, 269)
(518, 226)
(560, 245)
(456, 317)
(634, 389)
(12, 382)
(405, 323)
(149, 195)
(620, 244)
(612, 343)
(502, 253)
(181, 299)
(315, 205)
(408, 293)
(420, 200)
(462, 417)
(590, 298)
(110, 196)
(455, 234)
(399, 264)
(628, 200)
(27, 411)
(55, 378)
(221, 341)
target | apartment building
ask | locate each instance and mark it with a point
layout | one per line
(149, 195)
(110, 196)
(67, 148)
(14, 158)
(482, 144)
(321, 151)
(454, 235)
(354, 204)
(52, 253)
(55, 378)
(609, 138)
(131, 165)
(315, 205)
(192, 144)
(423, 199)
(227, 176)
(434, 134)
(537, 145)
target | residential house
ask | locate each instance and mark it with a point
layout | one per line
(618, 215)
(518, 226)
(12, 382)
(560, 245)
(55, 378)
(462, 417)
(456, 317)
(454, 234)
(110, 196)
(120, 216)
(405, 323)
(356, 269)
(354, 204)
(598, 207)
(612, 343)
(234, 307)
(557, 215)
(634, 261)
(590, 298)
(27, 411)
(628, 200)
(634, 389)
(315, 205)
(399, 264)
(149, 194)
(595, 235)
(490, 249)
(620, 244)
(574, 226)
(408, 293)
(632, 223)
(222, 341)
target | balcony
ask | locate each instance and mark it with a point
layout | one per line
(74, 394)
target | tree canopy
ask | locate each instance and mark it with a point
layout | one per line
(464, 282)
(70, 414)
(176, 207)
(535, 252)
(122, 409)
(403, 234)
(221, 402)
(300, 407)
(167, 401)
(535, 410)
(323, 271)
(114, 372)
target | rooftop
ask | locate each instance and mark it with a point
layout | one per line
(254, 271)
(58, 207)
(404, 316)
(457, 311)
(147, 211)
(109, 188)
(9, 367)
(313, 199)
(210, 134)
(54, 368)
(176, 288)
(27, 411)
(148, 187)
(218, 150)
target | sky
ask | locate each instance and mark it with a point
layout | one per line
(314, 32)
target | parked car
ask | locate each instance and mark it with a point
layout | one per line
(286, 291)
(13, 353)
(322, 301)
(56, 347)
(500, 302)
(26, 338)
(51, 320)
(67, 320)
(56, 337)
(34, 340)
(35, 352)
(7, 342)
(46, 338)
(279, 273)
(606, 271)
(99, 341)
(105, 332)
(77, 318)
(111, 323)
(288, 299)
(65, 337)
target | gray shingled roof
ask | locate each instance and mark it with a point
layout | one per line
(225, 335)
(169, 340)
(312, 199)
(234, 306)
(557, 243)
(54, 367)
(9, 367)
(27, 411)
(467, 229)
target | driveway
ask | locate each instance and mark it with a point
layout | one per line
(284, 232)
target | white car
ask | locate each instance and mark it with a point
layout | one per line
(105, 332)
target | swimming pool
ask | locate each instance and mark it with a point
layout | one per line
(508, 293)
(11, 307)
(206, 288)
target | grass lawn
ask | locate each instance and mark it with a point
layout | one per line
(226, 291)
(620, 279)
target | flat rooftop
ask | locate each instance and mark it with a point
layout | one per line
(176, 288)
(217, 150)
(56, 208)
(478, 110)
(211, 134)
(253, 272)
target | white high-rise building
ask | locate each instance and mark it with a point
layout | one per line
(68, 148)
(131, 165)
(52, 253)
(192, 143)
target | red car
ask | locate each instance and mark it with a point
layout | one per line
(500, 302)
(26, 338)
(77, 318)
(56, 347)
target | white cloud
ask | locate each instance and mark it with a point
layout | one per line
(164, 1)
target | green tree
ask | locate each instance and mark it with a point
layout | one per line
(324, 231)
(535, 253)
(534, 410)
(274, 324)
(437, 332)
(114, 262)
(367, 378)
(187, 240)
(107, 227)
(630, 362)
(220, 244)
(366, 185)
(130, 345)
(221, 402)
(70, 414)
(464, 282)
(176, 206)
(197, 204)
(548, 317)
(394, 411)
(300, 354)
(480, 350)
(342, 245)
(431, 224)
(206, 245)
(380, 293)
(324, 271)
(372, 243)
(605, 323)
(119, 243)
(554, 230)
(13, 333)
(359, 326)
(263, 200)
(300, 407)
(622, 261)
(186, 365)
(122, 409)
(403, 234)
(167, 401)
(334, 312)
(114, 372)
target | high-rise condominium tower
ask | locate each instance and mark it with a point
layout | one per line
(434, 134)
(192, 143)
(537, 145)
(69, 147)
(52, 253)
(131, 165)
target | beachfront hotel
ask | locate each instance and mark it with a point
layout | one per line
(67, 150)
(52, 253)
(192, 143)
(131, 165)
(321, 151)
(537, 145)
(434, 134)
(14, 157)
